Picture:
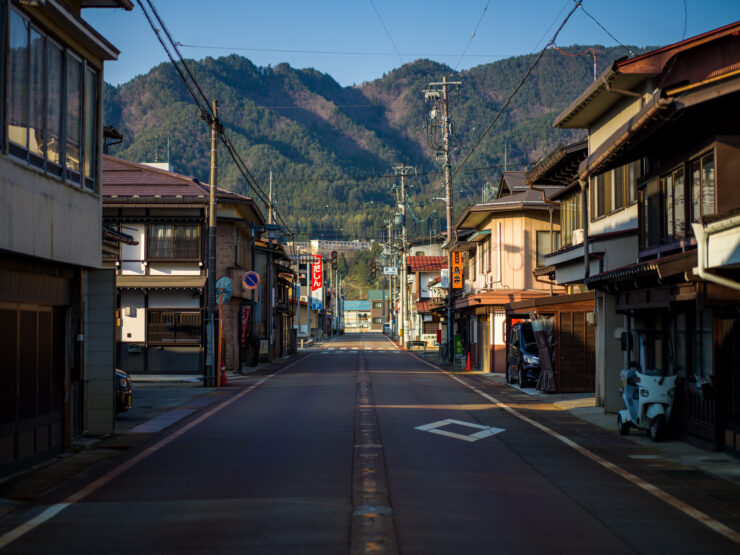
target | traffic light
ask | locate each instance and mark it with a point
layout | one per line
(334, 260)
(372, 269)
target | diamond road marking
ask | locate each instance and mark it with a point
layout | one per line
(485, 431)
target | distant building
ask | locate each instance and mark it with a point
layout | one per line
(357, 316)
(380, 302)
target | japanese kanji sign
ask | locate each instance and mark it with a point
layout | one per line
(457, 270)
(317, 283)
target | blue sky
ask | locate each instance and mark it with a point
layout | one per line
(351, 42)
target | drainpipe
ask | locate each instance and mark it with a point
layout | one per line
(584, 214)
(624, 92)
(701, 234)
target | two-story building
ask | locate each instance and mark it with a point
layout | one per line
(160, 280)
(56, 301)
(503, 240)
(659, 180)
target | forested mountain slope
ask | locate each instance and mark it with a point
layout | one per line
(331, 148)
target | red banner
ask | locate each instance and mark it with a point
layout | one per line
(317, 274)
(246, 309)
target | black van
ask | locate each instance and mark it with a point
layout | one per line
(523, 363)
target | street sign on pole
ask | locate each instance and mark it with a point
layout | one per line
(390, 270)
(251, 280)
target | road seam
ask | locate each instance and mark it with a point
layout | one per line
(664, 496)
(53, 510)
(372, 525)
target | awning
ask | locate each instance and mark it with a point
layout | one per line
(161, 282)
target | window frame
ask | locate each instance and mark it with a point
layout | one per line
(552, 246)
(190, 341)
(21, 154)
(148, 255)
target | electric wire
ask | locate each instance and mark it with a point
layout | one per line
(579, 4)
(390, 38)
(516, 90)
(554, 21)
(475, 31)
(205, 107)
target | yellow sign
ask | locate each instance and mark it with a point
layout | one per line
(457, 270)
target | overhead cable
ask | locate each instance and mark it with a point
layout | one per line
(390, 38)
(516, 90)
(475, 31)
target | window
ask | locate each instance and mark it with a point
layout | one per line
(174, 241)
(174, 327)
(430, 328)
(601, 194)
(45, 84)
(377, 320)
(672, 188)
(702, 187)
(570, 217)
(377, 304)
(634, 172)
(543, 245)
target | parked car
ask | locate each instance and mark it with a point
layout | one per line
(523, 363)
(124, 391)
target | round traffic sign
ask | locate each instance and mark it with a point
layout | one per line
(224, 289)
(251, 280)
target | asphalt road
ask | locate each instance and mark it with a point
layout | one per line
(356, 447)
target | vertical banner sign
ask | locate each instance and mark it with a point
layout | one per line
(245, 321)
(317, 283)
(457, 270)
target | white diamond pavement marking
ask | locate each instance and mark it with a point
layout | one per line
(485, 431)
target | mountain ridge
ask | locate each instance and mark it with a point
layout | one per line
(331, 148)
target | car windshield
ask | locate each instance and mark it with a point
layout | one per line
(528, 342)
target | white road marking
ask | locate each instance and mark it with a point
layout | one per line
(485, 431)
(674, 502)
(53, 510)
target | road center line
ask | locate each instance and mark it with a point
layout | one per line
(54, 510)
(666, 497)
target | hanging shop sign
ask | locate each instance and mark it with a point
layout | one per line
(457, 270)
(317, 283)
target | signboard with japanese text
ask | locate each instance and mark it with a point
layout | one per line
(444, 278)
(457, 270)
(317, 283)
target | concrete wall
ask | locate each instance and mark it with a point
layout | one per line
(44, 217)
(100, 350)
(609, 355)
(133, 317)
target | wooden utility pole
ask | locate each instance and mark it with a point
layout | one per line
(211, 369)
(403, 171)
(438, 93)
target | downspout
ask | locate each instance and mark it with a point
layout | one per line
(584, 214)
(702, 235)
(623, 92)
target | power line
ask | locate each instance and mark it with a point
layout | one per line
(473, 35)
(554, 21)
(206, 111)
(516, 90)
(579, 4)
(390, 38)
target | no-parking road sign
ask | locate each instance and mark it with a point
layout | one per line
(251, 280)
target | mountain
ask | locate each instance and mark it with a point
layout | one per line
(331, 149)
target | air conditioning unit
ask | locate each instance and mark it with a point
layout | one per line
(577, 236)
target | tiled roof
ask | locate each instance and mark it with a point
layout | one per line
(425, 307)
(426, 263)
(122, 179)
(357, 305)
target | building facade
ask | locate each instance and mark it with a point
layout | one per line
(56, 301)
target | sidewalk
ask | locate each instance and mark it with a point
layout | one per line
(583, 406)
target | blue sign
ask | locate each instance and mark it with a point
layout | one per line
(251, 280)
(316, 305)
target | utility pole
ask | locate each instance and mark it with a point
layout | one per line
(433, 93)
(403, 171)
(211, 370)
(269, 208)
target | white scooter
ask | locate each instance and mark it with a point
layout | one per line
(647, 391)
